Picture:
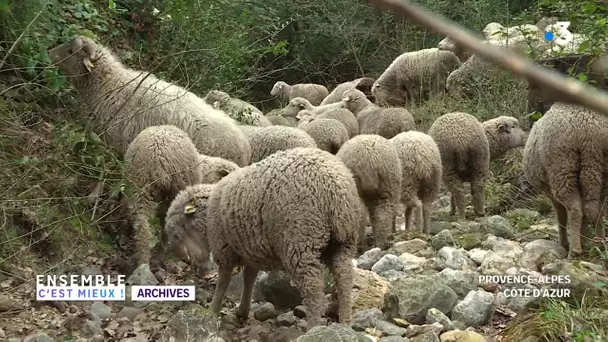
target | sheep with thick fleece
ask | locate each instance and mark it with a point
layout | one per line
(414, 76)
(421, 175)
(315, 93)
(460, 51)
(290, 211)
(363, 84)
(276, 117)
(375, 163)
(328, 134)
(504, 134)
(121, 102)
(373, 119)
(565, 158)
(243, 112)
(212, 169)
(299, 104)
(265, 141)
(345, 116)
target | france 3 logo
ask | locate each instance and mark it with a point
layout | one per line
(562, 36)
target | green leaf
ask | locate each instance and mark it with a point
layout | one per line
(5, 5)
(600, 284)
(111, 4)
(582, 77)
(584, 46)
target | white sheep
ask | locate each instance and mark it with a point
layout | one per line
(363, 84)
(345, 116)
(242, 111)
(328, 134)
(299, 103)
(315, 93)
(265, 141)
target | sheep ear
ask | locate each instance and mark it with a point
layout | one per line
(502, 128)
(223, 173)
(301, 105)
(189, 209)
(88, 64)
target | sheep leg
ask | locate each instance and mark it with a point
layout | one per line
(419, 215)
(454, 184)
(224, 275)
(307, 275)
(562, 221)
(139, 212)
(341, 268)
(567, 194)
(477, 186)
(408, 217)
(362, 224)
(452, 205)
(249, 275)
(381, 214)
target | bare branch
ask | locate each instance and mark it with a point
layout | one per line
(567, 90)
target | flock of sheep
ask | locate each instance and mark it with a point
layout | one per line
(294, 188)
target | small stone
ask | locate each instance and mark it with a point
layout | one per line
(435, 316)
(369, 258)
(462, 336)
(477, 255)
(412, 262)
(264, 312)
(142, 276)
(456, 259)
(389, 262)
(389, 328)
(410, 246)
(428, 337)
(97, 338)
(499, 226)
(475, 309)
(93, 317)
(366, 318)
(101, 310)
(38, 338)
(393, 339)
(286, 319)
(91, 329)
(130, 313)
(444, 238)
(415, 330)
(300, 311)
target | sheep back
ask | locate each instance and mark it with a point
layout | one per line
(315, 93)
(265, 141)
(212, 169)
(346, 117)
(387, 122)
(463, 144)
(328, 134)
(363, 84)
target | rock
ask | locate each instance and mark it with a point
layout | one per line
(300, 311)
(468, 240)
(130, 312)
(536, 253)
(264, 312)
(434, 264)
(494, 264)
(523, 218)
(101, 310)
(366, 318)
(578, 279)
(142, 276)
(410, 246)
(503, 247)
(462, 282)
(499, 226)
(194, 323)
(389, 328)
(520, 303)
(93, 317)
(277, 288)
(91, 329)
(394, 339)
(477, 255)
(412, 262)
(282, 334)
(428, 337)
(369, 258)
(415, 330)
(412, 297)
(368, 289)
(38, 338)
(435, 316)
(8, 304)
(442, 239)
(389, 262)
(455, 258)
(97, 338)
(440, 226)
(475, 309)
(461, 336)
(392, 275)
(91, 270)
(286, 319)
(333, 332)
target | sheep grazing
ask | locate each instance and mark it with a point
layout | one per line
(421, 175)
(299, 104)
(293, 211)
(373, 119)
(212, 169)
(564, 157)
(343, 115)
(465, 157)
(121, 102)
(243, 112)
(363, 84)
(449, 44)
(375, 163)
(315, 93)
(159, 162)
(265, 141)
(328, 134)
(414, 76)
(503, 134)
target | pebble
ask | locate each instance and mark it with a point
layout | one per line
(101, 310)
(264, 312)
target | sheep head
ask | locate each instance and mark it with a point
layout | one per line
(186, 225)
(77, 57)
(365, 85)
(278, 88)
(217, 98)
(387, 97)
(355, 100)
(213, 169)
(296, 105)
(504, 133)
(305, 115)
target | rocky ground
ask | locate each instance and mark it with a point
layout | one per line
(423, 288)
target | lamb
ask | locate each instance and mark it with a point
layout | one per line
(291, 211)
(375, 163)
(121, 102)
(243, 112)
(315, 93)
(467, 146)
(564, 157)
(363, 84)
(299, 103)
(265, 141)
(373, 119)
(345, 116)
(421, 175)
(414, 76)
(328, 134)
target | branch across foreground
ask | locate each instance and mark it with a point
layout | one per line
(567, 90)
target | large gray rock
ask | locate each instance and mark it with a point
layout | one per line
(475, 309)
(455, 258)
(142, 276)
(369, 258)
(333, 332)
(277, 288)
(412, 297)
(192, 324)
(389, 262)
(366, 318)
(444, 238)
(462, 282)
(540, 252)
(498, 226)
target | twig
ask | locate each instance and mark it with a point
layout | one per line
(21, 35)
(568, 90)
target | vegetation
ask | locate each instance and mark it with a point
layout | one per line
(51, 164)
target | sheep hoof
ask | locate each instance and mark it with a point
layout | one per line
(575, 253)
